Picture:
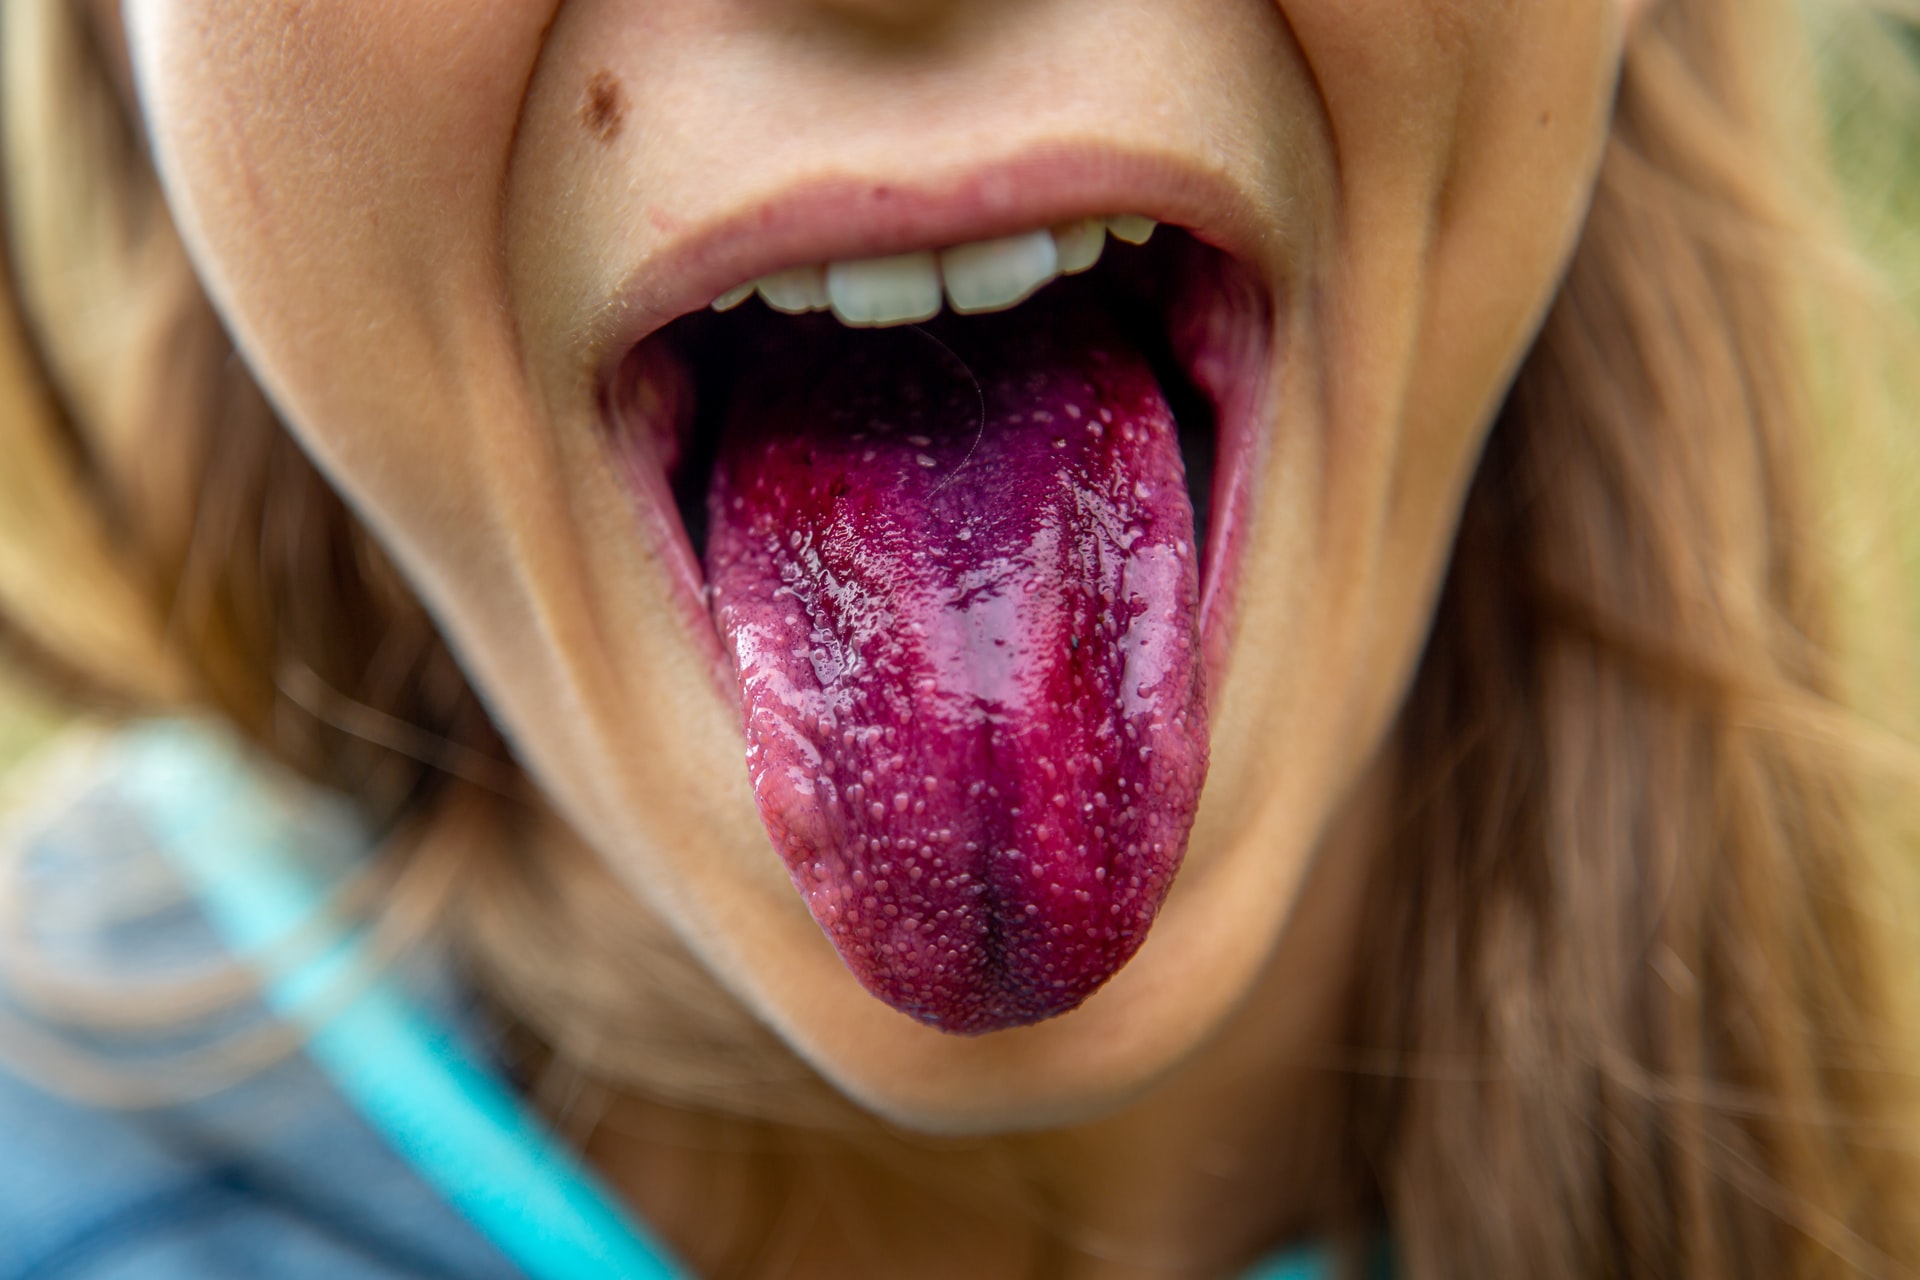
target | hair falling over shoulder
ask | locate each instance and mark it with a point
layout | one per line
(1634, 1002)
(1634, 997)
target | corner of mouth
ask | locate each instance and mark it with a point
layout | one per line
(983, 822)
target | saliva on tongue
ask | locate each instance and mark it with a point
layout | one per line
(955, 567)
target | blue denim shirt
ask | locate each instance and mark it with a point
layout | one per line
(277, 1173)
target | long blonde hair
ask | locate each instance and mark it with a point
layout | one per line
(1633, 1005)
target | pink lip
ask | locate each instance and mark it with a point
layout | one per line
(849, 216)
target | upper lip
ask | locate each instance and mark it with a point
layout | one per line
(843, 216)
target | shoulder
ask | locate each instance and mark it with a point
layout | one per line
(136, 1144)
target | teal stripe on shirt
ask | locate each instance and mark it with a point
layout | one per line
(455, 1122)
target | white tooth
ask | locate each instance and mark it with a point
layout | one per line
(733, 297)
(1131, 227)
(992, 275)
(883, 291)
(795, 290)
(1079, 244)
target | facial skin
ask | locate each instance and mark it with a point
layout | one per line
(434, 225)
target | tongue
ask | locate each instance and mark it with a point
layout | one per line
(957, 577)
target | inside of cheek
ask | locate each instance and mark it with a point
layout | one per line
(1193, 313)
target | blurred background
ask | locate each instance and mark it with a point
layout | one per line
(27, 718)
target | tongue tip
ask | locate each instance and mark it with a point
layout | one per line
(1022, 941)
(1002, 993)
(986, 1016)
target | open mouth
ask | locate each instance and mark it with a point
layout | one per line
(965, 521)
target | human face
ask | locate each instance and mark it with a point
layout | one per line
(450, 237)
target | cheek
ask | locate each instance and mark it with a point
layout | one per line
(1469, 134)
(1513, 200)
(336, 170)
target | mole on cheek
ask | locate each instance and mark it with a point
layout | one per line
(603, 106)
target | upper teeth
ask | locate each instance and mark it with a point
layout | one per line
(795, 290)
(990, 275)
(993, 274)
(885, 290)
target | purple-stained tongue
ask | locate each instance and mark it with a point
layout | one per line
(958, 578)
